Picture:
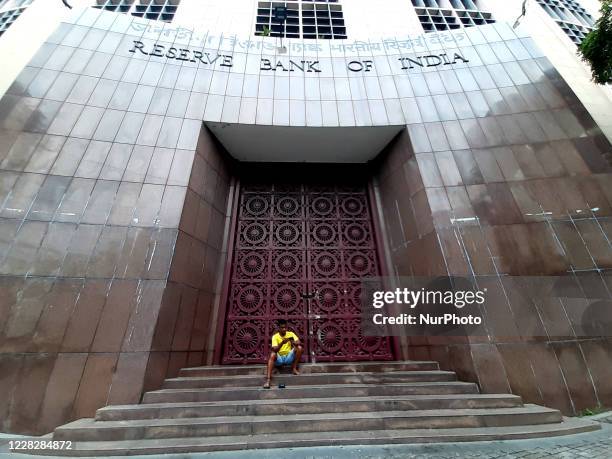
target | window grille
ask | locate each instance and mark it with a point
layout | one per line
(158, 10)
(573, 19)
(436, 15)
(321, 19)
(10, 11)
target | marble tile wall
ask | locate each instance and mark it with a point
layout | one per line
(110, 244)
(520, 187)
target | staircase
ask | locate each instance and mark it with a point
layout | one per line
(224, 408)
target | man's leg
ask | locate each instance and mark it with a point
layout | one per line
(271, 362)
(296, 359)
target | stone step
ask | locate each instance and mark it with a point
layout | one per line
(91, 430)
(282, 440)
(311, 379)
(305, 368)
(321, 391)
(305, 406)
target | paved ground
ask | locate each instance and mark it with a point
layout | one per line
(594, 445)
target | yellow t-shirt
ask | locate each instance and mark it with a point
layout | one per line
(286, 348)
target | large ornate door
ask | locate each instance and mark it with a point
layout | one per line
(300, 253)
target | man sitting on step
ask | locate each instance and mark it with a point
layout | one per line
(286, 349)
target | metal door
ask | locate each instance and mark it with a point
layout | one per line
(300, 252)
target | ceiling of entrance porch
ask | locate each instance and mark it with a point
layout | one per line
(247, 142)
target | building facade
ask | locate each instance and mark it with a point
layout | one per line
(10, 12)
(157, 212)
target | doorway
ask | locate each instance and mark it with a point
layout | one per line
(299, 253)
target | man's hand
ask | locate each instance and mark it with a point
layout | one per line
(287, 340)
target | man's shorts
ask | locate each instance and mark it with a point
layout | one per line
(285, 359)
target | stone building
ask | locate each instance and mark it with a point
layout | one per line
(175, 176)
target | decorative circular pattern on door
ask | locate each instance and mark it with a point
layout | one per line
(287, 233)
(247, 339)
(353, 206)
(287, 264)
(253, 234)
(255, 206)
(330, 337)
(359, 264)
(288, 206)
(252, 264)
(300, 254)
(322, 233)
(250, 299)
(322, 207)
(325, 265)
(286, 299)
(327, 298)
(355, 234)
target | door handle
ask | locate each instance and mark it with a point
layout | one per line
(311, 295)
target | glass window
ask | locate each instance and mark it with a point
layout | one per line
(316, 19)
(573, 19)
(159, 10)
(437, 15)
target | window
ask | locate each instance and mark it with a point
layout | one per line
(438, 15)
(571, 17)
(10, 11)
(158, 10)
(321, 19)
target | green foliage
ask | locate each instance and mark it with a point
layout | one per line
(592, 411)
(265, 32)
(596, 48)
